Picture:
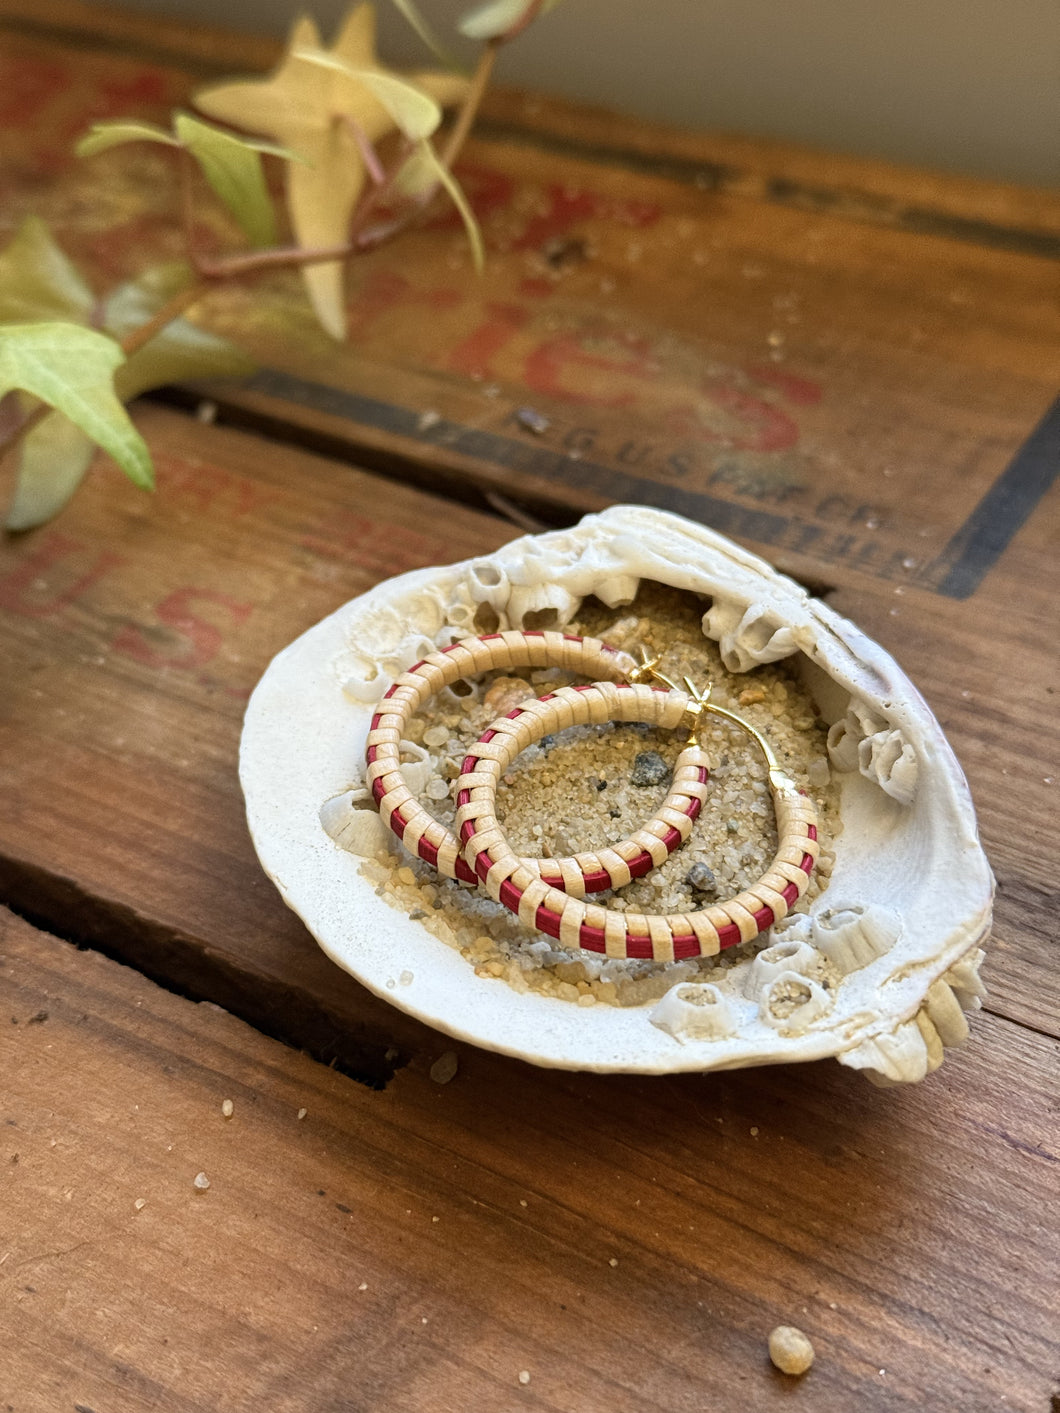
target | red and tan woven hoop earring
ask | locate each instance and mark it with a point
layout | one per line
(422, 834)
(577, 924)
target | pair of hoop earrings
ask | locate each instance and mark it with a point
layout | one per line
(549, 894)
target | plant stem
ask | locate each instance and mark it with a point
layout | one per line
(369, 156)
(33, 419)
(472, 102)
(234, 267)
(366, 239)
(172, 309)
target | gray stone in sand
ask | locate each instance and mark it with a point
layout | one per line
(649, 768)
(701, 878)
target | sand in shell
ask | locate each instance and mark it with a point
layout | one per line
(574, 792)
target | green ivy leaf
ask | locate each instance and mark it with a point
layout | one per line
(414, 112)
(180, 351)
(231, 164)
(37, 281)
(71, 369)
(101, 136)
(55, 457)
(56, 454)
(423, 171)
(232, 167)
(497, 19)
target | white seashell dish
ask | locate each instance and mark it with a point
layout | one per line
(878, 972)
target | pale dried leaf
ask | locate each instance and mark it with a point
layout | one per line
(301, 105)
(411, 110)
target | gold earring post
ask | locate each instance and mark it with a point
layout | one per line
(701, 703)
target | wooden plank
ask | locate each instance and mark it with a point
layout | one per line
(628, 1243)
(859, 188)
(136, 627)
(938, 355)
(785, 374)
(133, 632)
(753, 165)
(87, 25)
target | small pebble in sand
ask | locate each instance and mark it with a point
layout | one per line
(200, 1182)
(649, 768)
(524, 1376)
(790, 1350)
(227, 1108)
(818, 773)
(701, 878)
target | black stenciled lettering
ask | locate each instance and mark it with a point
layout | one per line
(679, 463)
(630, 454)
(580, 439)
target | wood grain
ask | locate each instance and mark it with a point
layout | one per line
(937, 353)
(886, 193)
(628, 1243)
(785, 367)
(841, 363)
(712, 156)
(132, 633)
(846, 392)
(136, 627)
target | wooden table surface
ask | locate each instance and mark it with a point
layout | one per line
(850, 368)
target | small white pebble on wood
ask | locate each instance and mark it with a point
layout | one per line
(227, 1108)
(790, 1350)
(445, 1067)
(200, 1182)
